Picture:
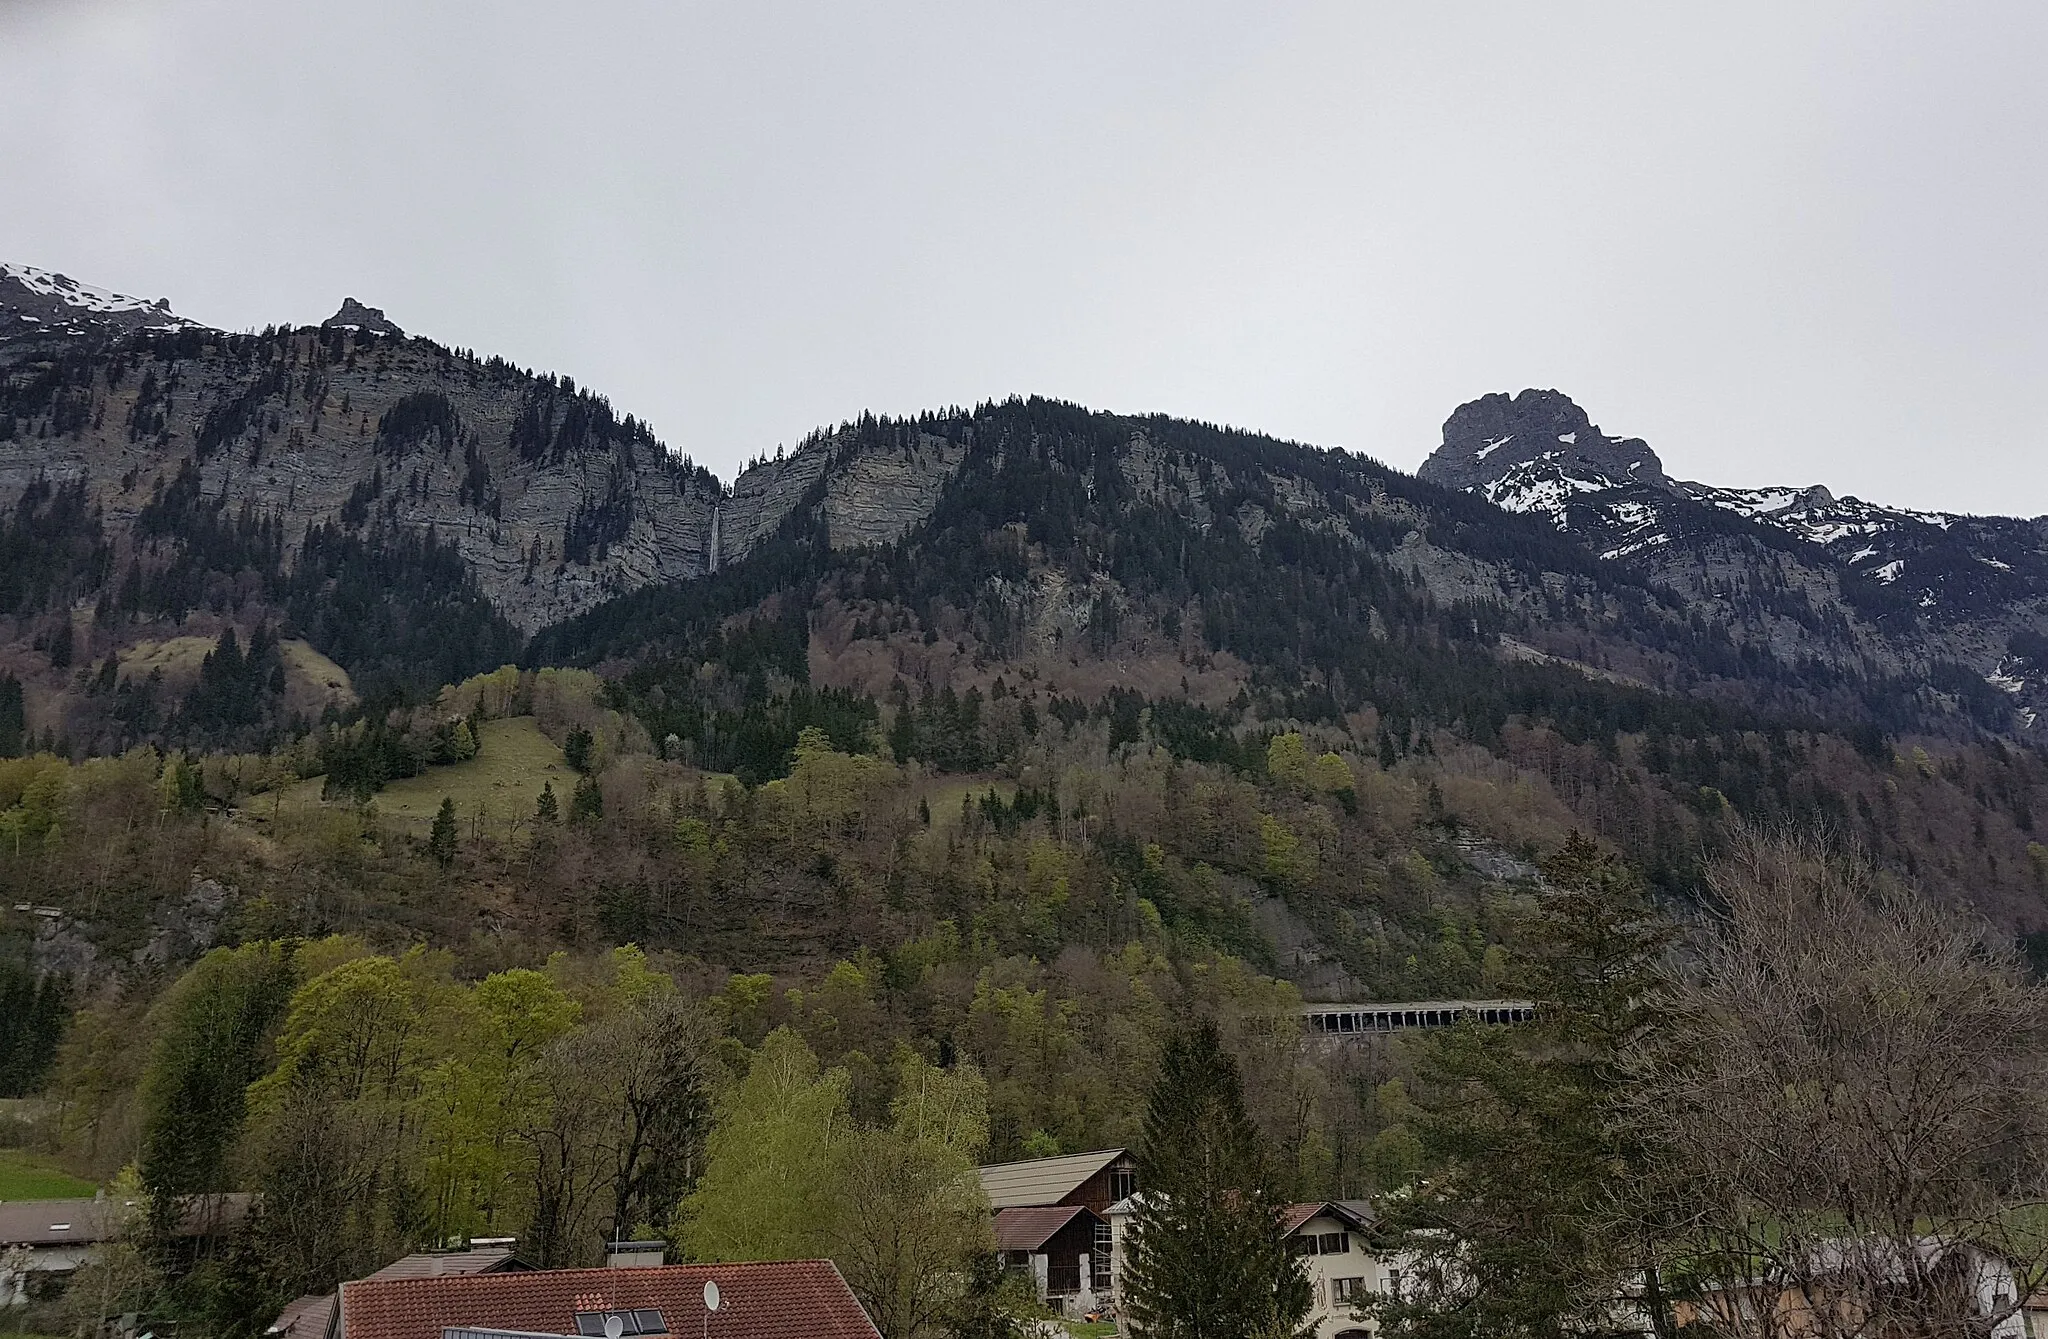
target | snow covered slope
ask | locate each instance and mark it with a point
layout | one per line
(40, 302)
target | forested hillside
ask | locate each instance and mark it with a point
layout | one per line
(986, 744)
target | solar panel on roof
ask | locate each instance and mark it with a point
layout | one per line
(642, 1320)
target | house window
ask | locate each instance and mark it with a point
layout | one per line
(1325, 1243)
(1343, 1291)
(644, 1321)
(1123, 1183)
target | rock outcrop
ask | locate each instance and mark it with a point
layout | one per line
(355, 316)
(1488, 438)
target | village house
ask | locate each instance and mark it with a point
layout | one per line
(43, 1241)
(312, 1316)
(1065, 1254)
(1330, 1239)
(1057, 1245)
(1871, 1285)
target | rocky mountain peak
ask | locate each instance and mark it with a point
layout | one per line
(1487, 439)
(355, 316)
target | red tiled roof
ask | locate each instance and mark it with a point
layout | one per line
(780, 1299)
(1028, 1228)
(1295, 1216)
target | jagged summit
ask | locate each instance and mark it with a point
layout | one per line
(37, 302)
(1487, 439)
(355, 316)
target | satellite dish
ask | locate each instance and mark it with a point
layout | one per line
(710, 1295)
(614, 1326)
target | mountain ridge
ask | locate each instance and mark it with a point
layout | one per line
(179, 508)
(540, 499)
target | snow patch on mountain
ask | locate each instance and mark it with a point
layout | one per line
(40, 304)
(1545, 487)
(49, 284)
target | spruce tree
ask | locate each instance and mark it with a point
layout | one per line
(587, 802)
(441, 841)
(576, 749)
(1532, 1216)
(13, 718)
(1208, 1259)
(547, 811)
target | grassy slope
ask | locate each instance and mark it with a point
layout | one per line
(314, 677)
(501, 783)
(942, 794)
(30, 1176)
(312, 681)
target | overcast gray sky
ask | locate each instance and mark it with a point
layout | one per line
(1783, 242)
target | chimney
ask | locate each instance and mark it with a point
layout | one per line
(634, 1254)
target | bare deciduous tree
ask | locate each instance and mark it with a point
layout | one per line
(1852, 1102)
(629, 1104)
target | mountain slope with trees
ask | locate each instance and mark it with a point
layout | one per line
(907, 822)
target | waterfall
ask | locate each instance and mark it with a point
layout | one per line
(711, 558)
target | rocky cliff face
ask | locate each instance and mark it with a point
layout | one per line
(554, 502)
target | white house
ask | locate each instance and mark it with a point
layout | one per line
(1331, 1241)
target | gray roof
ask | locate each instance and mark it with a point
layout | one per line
(436, 1264)
(1015, 1185)
(306, 1318)
(77, 1222)
(56, 1222)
